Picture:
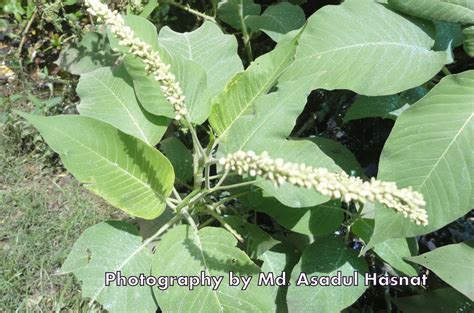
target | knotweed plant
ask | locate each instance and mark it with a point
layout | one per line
(197, 241)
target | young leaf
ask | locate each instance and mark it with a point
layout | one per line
(384, 55)
(384, 106)
(453, 264)
(277, 20)
(209, 47)
(326, 257)
(185, 251)
(468, 33)
(391, 251)
(240, 94)
(454, 11)
(126, 172)
(430, 149)
(106, 95)
(97, 252)
(233, 12)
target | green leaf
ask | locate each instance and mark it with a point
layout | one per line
(233, 12)
(180, 157)
(320, 220)
(341, 155)
(106, 95)
(453, 264)
(142, 28)
(147, 89)
(91, 53)
(384, 106)
(185, 251)
(448, 35)
(97, 252)
(454, 11)
(240, 94)
(126, 172)
(266, 129)
(384, 55)
(430, 148)
(220, 62)
(277, 20)
(391, 251)
(282, 258)
(468, 33)
(256, 240)
(325, 257)
(190, 76)
(438, 300)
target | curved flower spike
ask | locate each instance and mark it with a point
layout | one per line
(337, 186)
(154, 65)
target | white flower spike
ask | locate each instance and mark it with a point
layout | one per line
(154, 65)
(337, 186)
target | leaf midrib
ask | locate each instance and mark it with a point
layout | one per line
(137, 126)
(263, 90)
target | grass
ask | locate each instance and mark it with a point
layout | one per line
(42, 213)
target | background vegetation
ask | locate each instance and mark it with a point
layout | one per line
(43, 210)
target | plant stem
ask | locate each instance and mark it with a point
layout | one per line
(235, 185)
(188, 9)
(245, 35)
(445, 71)
(224, 223)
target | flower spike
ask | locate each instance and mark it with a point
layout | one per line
(154, 65)
(337, 186)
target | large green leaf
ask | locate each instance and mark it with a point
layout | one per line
(384, 55)
(220, 62)
(453, 264)
(326, 257)
(128, 173)
(430, 148)
(277, 20)
(233, 12)
(391, 251)
(190, 75)
(97, 252)
(185, 251)
(91, 53)
(384, 106)
(106, 95)
(320, 220)
(455, 11)
(240, 94)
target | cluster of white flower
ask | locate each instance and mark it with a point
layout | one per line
(154, 65)
(337, 186)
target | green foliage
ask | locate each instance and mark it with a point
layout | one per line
(95, 253)
(188, 252)
(430, 149)
(441, 262)
(214, 217)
